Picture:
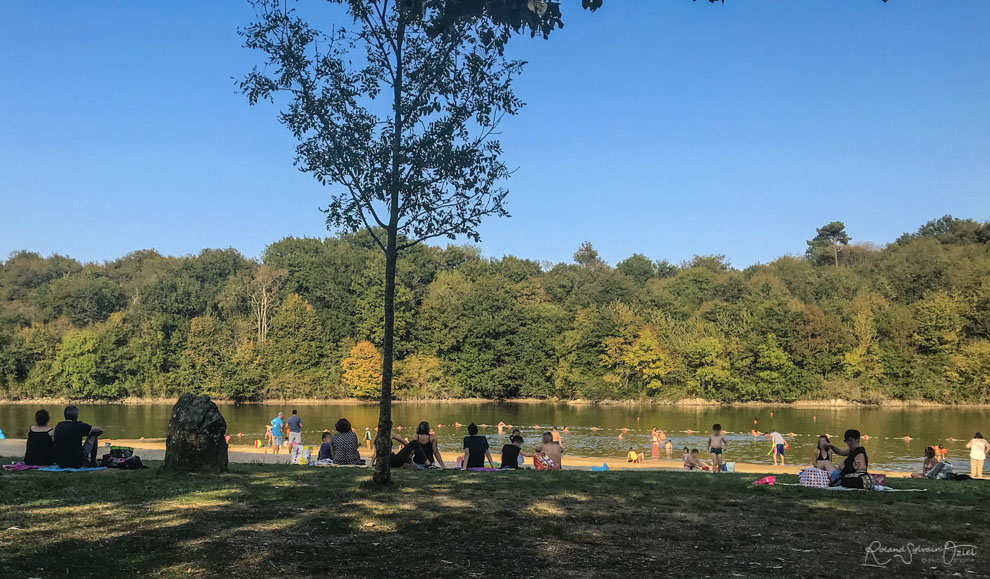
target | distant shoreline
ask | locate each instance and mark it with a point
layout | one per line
(687, 402)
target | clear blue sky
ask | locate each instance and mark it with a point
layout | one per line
(666, 127)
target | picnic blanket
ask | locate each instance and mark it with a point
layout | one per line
(883, 488)
(53, 468)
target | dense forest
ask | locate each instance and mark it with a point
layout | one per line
(907, 321)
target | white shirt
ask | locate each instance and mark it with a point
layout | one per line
(978, 450)
(777, 438)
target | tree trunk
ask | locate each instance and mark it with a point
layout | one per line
(383, 442)
(835, 254)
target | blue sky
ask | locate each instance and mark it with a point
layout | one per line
(667, 127)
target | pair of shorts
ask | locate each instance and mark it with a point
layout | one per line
(295, 438)
(780, 449)
(716, 451)
(277, 441)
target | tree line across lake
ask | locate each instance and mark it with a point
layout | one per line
(907, 321)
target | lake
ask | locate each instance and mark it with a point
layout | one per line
(886, 427)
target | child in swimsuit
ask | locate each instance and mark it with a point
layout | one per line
(716, 444)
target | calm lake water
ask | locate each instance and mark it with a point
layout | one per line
(886, 427)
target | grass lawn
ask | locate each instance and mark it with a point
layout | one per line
(273, 520)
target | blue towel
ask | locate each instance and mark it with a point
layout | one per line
(56, 468)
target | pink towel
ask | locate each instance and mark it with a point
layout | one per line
(767, 480)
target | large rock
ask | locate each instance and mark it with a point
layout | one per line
(195, 439)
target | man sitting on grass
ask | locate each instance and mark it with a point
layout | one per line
(856, 461)
(693, 461)
(68, 434)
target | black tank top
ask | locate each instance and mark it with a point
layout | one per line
(427, 447)
(849, 468)
(40, 448)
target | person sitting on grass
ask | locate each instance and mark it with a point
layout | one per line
(928, 464)
(40, 445)
(856, 460)
(476, 449)
(823, 457)
(693, 461)
(411, 455)
(634, 456)
(512, 452)
(326, 449)
(68, 453)
(551, 450)
(344, 444)
(427, 439)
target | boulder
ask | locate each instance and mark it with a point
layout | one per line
(195, 439)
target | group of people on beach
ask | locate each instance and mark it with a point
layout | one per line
(70, 444)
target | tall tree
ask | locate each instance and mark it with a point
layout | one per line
(831, 237)
(397, 114)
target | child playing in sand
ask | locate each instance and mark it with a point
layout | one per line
(634, 456)
(716, 444)
(693, 461)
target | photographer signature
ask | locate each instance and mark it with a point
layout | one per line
(879, 555)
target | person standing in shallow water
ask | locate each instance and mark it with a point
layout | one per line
(655, 444)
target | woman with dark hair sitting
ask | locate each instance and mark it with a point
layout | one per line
(40, 441)
(344, 444)
(427, 439)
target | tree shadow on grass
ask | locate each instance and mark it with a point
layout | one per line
(265, 520)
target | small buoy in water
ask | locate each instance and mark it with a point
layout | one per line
(907, 439)
(239, 435)
(756, 421)
(866, 437)
(791, 434)
(814, 419)
(688, 431)
(950, 439)
(439, 425)
(624, 430)
(594, 429)
(142, 438)
(771, 415)
(457, 424)
(484, 426)
(398, 428)
(637, 419)
(536, 426)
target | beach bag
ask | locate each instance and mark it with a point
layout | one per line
(857, 480)
(942, 470)
(728, 467)
(544, 462)
(121, 452)
(814, 477)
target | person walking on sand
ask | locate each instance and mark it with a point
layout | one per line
(295, 429)
(278, 425)
(978, 449)
(716, 444)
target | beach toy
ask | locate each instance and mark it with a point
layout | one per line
(767, 480)
(257, 444)
(602, 468)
